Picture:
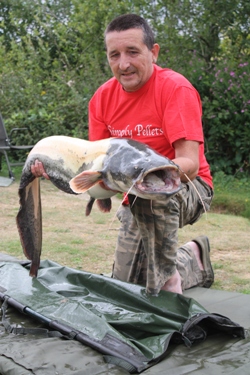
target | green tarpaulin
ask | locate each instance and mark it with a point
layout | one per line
(114, 327)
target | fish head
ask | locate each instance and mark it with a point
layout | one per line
(156, 183)
(134, 167)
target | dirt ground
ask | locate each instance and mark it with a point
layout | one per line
(70, 238)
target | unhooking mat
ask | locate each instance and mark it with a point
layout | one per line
(109, 327)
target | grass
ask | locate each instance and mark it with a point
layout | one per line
(88, 243)
(232, 194)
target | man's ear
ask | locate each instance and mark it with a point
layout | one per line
(155, 52)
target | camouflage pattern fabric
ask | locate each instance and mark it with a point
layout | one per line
(147, 248)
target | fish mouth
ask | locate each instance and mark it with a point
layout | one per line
(165, 180)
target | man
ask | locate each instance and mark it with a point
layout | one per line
(162, 109)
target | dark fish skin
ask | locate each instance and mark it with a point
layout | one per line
(29, 224)
(101, 168)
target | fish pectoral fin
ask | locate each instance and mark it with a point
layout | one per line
(85, 181)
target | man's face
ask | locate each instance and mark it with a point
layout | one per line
(129, 58)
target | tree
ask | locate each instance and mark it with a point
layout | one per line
(52, 59)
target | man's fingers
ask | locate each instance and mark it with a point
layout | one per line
(33, 170)
(45, 176)
(37, 169)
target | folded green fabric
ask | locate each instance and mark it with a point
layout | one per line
(132, 329)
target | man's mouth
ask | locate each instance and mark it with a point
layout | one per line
(127, 74)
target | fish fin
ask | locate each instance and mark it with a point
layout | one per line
(85, 181)
(29, 222)
(104, 205)
(89, 206)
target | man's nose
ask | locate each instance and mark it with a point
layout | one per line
(124, 62)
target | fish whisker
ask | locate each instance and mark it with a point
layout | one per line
(151, 206)
(134, 201)
(205, 211)
(124, 198)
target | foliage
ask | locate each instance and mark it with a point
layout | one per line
(227, 117)
(200, 26)
(224, 90)
(52, 59)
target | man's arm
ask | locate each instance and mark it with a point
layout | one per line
(187, 157)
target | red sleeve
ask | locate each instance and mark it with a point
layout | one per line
(182, 117)
(97, 127)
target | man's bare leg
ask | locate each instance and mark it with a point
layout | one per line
(197, 253)
(174, 283)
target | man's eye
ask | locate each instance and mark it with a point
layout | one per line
(114, 55)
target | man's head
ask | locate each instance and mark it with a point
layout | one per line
(132, 21)
(131, 50)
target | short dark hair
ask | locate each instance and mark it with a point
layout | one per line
(132, 21)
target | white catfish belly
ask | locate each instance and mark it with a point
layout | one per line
(98, 192)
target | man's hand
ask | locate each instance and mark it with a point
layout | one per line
(37, 169)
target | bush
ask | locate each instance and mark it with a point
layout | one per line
(227, 118)
(46, 101)
(224, 90)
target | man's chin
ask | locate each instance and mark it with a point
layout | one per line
(129, 86)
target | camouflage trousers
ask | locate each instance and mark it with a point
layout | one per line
(147, 250)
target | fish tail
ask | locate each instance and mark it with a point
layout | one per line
(29, 222)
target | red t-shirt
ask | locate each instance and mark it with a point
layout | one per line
(165, 109)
